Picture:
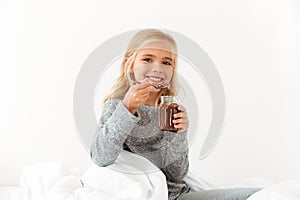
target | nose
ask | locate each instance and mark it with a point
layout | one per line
(157, 68)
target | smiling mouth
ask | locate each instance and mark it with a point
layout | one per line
(155, 79)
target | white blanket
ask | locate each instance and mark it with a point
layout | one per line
(130, 177)
(138, 180)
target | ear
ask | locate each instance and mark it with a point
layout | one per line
(125, 59)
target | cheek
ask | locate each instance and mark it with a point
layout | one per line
(139, 72)
(138, 66)
(169, 75)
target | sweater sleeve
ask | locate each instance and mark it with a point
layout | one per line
(116, 122)
(176, 163)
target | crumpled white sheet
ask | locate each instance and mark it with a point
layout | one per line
(13, 193)
(138, 180)
(130, 177)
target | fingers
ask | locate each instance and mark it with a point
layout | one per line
(138, 94)
(181, 114)
(182, 130)
(143, 87)
(181, 108)
(153, 89)
(146, 87)
(182, 127)
(181, 121)
(181, 124)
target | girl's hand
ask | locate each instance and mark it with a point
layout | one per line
(181, 120)
(136, 96)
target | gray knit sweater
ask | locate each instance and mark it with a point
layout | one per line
(118, 129)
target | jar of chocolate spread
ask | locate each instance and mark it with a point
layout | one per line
(167, 108)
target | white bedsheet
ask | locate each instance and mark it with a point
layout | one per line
(130, 177)
(138, 180)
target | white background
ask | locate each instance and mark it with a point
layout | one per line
(254, 44)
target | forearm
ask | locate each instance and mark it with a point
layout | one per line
(111, 133)
(104, 152)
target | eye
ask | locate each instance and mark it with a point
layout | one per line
(166, 63)
(149, 60)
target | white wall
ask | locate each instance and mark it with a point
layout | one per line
(254, 44)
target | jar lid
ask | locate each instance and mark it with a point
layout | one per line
(169, 99)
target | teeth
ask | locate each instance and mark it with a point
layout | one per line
(156, 79)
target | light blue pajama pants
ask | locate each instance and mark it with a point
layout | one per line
(219, 194)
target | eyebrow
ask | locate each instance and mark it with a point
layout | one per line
(150, 55)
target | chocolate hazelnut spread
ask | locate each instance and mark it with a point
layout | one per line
(168, 107)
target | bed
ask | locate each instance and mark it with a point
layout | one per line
(130, 177)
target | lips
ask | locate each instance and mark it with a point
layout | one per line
(155, 79)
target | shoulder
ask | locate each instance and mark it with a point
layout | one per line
(109, 107)
(112, 102)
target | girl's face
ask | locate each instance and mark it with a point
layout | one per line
(154, 63)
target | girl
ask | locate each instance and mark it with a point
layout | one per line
(130, 121)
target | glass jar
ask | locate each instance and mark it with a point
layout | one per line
(167, 108)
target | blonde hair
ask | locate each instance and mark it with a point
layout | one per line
(139, 41)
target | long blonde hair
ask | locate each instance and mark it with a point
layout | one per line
(138, 41)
